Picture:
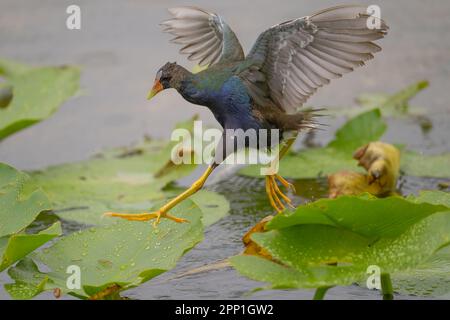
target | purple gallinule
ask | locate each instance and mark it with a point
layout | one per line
(265, 88)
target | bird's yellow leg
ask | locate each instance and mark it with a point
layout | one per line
(163, 211)
(273, 191)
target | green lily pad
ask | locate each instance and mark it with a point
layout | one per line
(429, 279)
(279, 276)
(15, 247)
(352, 233)
(387, 217)
(118, 256)
(421, 165)
(10, 68)
(21, 200)
(36, 93)
(29, 280)
(362, 129)
(213, 206)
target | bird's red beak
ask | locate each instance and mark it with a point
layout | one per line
(157, 87)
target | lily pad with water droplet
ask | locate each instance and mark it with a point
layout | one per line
(16, 246)
(21, 200)
(333, 241)
(119, 256)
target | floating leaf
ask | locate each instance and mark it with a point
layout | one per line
(111, 258)
(213, 206)
(333, 241)
(434, 197)
(362, 129)
(21, 200)
(421, 165)
(430, 278)
(36, 93)
(9, 68)
(29, 280)
(365, 215)
(284, 277)
(17, 246)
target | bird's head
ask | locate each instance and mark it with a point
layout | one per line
(166, 78)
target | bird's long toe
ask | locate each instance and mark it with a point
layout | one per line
(146, 216)
(286, 183)
(275, 195)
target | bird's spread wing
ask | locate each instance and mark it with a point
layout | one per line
(292, 59)
(204, 36)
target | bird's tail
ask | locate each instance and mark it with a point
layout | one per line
(307, 119)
